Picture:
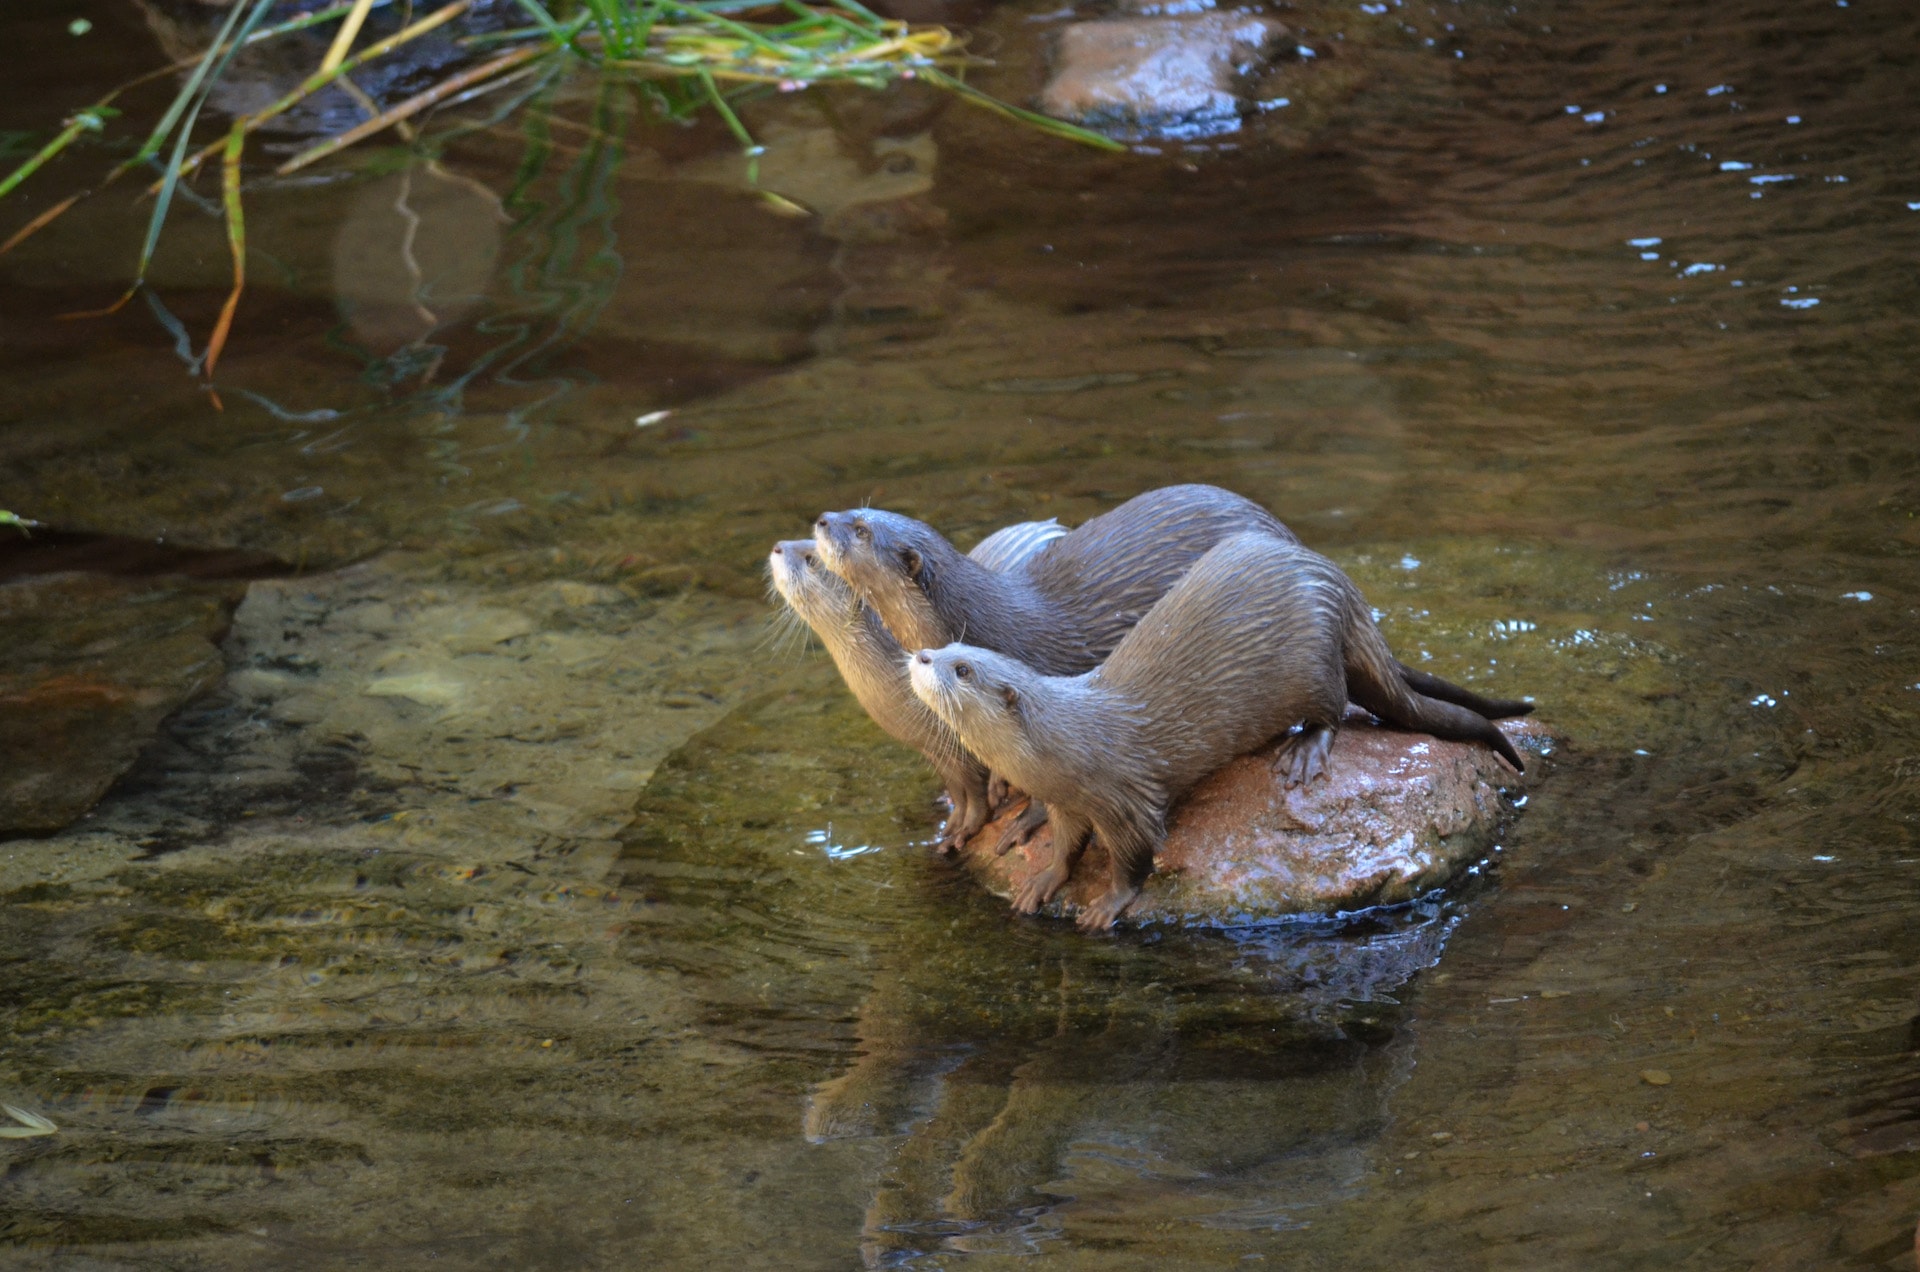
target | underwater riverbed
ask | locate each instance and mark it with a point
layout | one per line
(492, 888)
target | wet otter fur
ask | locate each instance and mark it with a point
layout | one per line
(1066, 608)
(1068, 605)
(1261, 635)
(874, 666)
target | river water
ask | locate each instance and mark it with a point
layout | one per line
(505, 895)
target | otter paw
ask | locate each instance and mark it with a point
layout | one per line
(1021, 828)
(1099, 916)
(960, 828)
(1038, 890)
(1303, 756)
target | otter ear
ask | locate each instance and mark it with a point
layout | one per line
(911, 560)
(1011, 697)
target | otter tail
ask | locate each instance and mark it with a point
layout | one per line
(1374, 680)
(1434, 687)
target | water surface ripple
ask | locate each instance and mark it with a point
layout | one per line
(510, 896)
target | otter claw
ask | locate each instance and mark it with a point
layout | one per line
(1038, 890)
(1021, 828)
(960, 828)
(1303, 757)
(1099, 916)
(999, 794)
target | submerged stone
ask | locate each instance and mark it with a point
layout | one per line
(92, 658)
(1397, 815)
(1168, 74)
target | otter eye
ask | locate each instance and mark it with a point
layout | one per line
(963, 671)
(862, 532)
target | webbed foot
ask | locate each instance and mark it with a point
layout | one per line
(1303, 756)
(1099, 916)
(1021, 828)
(1039, 888)
(963, 824)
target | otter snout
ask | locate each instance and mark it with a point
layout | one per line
(788, 564)
(843, 537)
(930, 680)
(830, 533)
(942, 678)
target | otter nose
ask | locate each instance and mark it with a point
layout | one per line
(778, 550)
(924, 657)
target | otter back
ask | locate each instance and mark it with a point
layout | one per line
(1067, 609)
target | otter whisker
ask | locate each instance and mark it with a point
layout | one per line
(785, 633)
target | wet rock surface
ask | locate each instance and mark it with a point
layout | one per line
(104, 637)
(1398, 815)
(1173, 74)
(440, 712)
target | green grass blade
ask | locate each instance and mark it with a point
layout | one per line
(567, 31)
(187, 95)
(174, 165)
(417, 103)
(92, 119)
(740, 29)
(349, 32)
(855, 7)
(738, 129)
(320, 79)
(305, 20)
(236, 241)
(1045, 123)
(546, 22)
(101, 111)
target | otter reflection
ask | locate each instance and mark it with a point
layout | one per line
(961, 1080)
(1009, 1110)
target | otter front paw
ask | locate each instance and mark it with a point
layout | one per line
(960, 827)
(1303, 756)
(1099, 916)
(1021, 828)
(1039, 889)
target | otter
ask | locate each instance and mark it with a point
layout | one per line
(1064, 608)
(1260, 636)
(874, 666)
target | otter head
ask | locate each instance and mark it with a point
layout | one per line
(810, 590)
(978, 694)
(894, 563)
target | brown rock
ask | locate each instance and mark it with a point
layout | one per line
(101, 636)
(1169, 74)
(89, 666)
(1398, 815)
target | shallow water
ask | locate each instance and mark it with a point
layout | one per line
(511, 899)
